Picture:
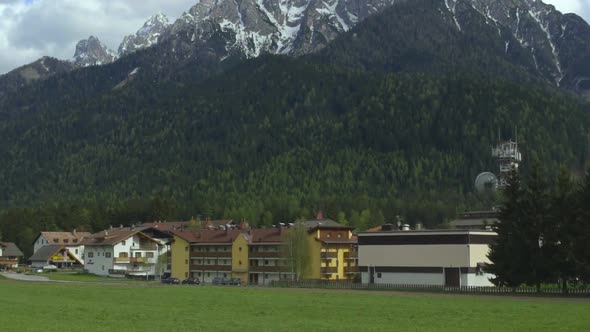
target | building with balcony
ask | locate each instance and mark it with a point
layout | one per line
(449, 258)
(211, 253)
(266, 257)
(124, 252)
(71, 240)
(10, 255)
(333, 250)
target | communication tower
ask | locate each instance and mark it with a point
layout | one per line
(509, 157)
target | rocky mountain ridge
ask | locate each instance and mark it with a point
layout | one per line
(559, 44)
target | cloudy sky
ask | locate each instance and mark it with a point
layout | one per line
(30, 29)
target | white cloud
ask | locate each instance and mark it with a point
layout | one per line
(30, 29)
(580, 7)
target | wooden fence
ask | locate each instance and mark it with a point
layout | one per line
(520, 291)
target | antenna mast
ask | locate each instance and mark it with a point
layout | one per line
(508, 156)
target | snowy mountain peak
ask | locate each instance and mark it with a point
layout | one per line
(146, 36)
(274, 26)
(92, 52)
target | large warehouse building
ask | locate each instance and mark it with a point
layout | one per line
(449, 258)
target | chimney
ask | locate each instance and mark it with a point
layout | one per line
(320, 216)
(74, 231)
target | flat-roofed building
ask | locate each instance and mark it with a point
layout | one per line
(450, 258)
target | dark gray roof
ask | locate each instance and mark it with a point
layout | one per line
(10, 249)
(327, 223)
(45, 253)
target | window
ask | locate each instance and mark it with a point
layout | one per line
(123, 242)
(137, 255)
(378, 274)
(90, 254)
(186, 248)
(186, 261)
(103, 267)
(149, 254)
(240, 262)
(123, 255)
(225, 275)
(107, 254)
(76, 251)
(240, 249)
(66, 240)
(98, 254)
(186, 274)
(265, 262)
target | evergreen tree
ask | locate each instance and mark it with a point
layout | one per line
(581, 230)
(536, 224)
(560, 236)
(508, 252)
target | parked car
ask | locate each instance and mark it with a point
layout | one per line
(49, 267)
(226, 281)
(235, 281)
(217, 281)
(171, 280)
(191, 281)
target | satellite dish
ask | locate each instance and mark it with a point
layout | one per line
(486, 182)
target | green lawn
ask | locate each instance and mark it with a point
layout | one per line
(78, 307)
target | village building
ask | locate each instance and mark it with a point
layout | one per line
(124, 251)
(58, 255)
(72, 241)
(450, 258)
(333, 250)
(10, 255)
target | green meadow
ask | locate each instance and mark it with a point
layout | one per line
(125, 307)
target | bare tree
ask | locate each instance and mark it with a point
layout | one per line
(297, 250)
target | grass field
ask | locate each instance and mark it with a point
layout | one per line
(85, 277)
(79, 307)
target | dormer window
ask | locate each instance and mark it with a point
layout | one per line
(75, 240)
(56, 240)
(66, 240)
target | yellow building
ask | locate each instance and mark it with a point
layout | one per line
(240, 263)
(254, 255)
(333, 250)
(180, 253)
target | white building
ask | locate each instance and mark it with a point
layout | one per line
(449, 258)
(71, 240)
(124, 252)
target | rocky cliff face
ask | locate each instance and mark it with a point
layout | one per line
(273, 26)
(91, 52)
(146, 36)
(559, 44)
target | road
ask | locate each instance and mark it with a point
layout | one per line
(25, 277)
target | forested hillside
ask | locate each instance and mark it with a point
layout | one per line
(351, 131)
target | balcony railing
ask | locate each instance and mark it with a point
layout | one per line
(208, 254)
(265, 254)
(200, 267)
(138, 260)
(145, 247)
(329, 270)
(351, 256)
(329, 255)
(351, 269)
(266, 268)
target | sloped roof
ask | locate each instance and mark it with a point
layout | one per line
(9, 249)
(266, 235)
(324, 223)
(67, 238)
(46, 252)
(186, 234)
(218, 236)
(113, 236)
